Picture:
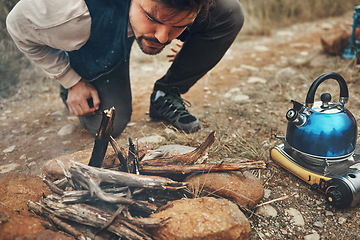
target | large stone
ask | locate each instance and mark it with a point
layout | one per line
(202, 219)
(53, 171)
(334, 43)
(15, 192)
(242, 188)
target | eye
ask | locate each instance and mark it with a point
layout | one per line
(151, 19)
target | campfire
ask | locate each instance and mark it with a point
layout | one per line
(115, 195)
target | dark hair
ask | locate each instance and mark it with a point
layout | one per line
(201, 6)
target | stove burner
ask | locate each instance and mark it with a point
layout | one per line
(322, 166)
(318, 161)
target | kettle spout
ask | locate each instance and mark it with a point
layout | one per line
(297, 118)
(297, 106)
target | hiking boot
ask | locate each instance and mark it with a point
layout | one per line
(171, 107)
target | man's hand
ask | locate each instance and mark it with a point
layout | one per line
(78, 97)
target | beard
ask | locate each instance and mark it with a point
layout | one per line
(150, 46)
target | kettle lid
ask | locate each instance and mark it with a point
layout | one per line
(326, 106)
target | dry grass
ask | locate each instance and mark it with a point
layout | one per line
(264, 15)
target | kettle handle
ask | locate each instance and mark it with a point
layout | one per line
(344, 92)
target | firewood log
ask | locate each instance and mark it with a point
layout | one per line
(102, 138)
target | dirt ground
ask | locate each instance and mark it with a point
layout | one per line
(244, 98)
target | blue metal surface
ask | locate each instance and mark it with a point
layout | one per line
(353, 48)
(324, 135)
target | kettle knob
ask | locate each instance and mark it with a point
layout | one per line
(325, 98)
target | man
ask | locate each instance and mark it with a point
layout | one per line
(85, 45)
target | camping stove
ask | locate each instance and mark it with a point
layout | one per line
(337, 178)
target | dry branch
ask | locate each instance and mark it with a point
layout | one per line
(195, 168)
(102, 138)
(53, 187)
(85, 195)
(120, 154)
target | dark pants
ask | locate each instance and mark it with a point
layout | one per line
(206, 44)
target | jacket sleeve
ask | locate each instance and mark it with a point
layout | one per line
(45, 30)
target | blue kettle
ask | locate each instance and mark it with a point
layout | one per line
(322, 129)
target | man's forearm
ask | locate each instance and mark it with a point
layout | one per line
(47, 46)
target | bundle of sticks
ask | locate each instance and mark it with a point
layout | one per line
(108, 201)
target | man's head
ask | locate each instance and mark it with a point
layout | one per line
(155, 23)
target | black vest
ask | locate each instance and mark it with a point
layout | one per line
(108, 43)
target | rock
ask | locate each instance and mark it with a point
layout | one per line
(8, 167)
(67, 129)
(285, 33)
(313, 236)
(9, 149)
(297, 218)
(329, 213)
(283, 75)
(334, 43)
(318, 224)
(202, 218)
(156, 139)
(266, 211)
(59, 113)
(256, 80)
(168, 151)
(45, 235)
(267, 193)
(52, 170)
(341, 220)
(170, 132)
(242, 188)
(41, 139)
(235, 95)
(239, 98)
(260, 48)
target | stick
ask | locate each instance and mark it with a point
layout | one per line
(85, 196)
(195, 168)
(53, 187)
(133, 158)
(119, 153)
(277, 199)
(102, 138)
(111, 220)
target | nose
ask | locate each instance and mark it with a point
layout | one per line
(162, 34)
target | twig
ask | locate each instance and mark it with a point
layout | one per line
(277, 199)
(119, 154)
(66, 174)
(53, 187)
